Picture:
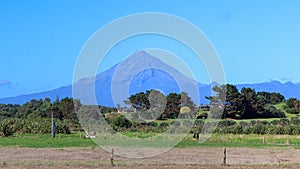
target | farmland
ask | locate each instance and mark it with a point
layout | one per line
(261, 131)
(71, 151)
(215, 141)
(175, 158)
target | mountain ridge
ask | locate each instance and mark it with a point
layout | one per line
(141, 72)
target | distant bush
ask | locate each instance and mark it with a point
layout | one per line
(7, 128)
(271, 112)
(120, 122)
(152, 123)
(62, 128)
(277, 127)
(227, 123)
(164, 124)
(295, 121)
(292, 110)
(284, 122)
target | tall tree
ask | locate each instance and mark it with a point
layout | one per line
(291, 102)
(252, 106)
(229, 96)
(173, 106)
(66, 107)
(246, 104)
(139, 101)
(270, 98)
(234, 102)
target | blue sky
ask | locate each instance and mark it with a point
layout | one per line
(40, 41)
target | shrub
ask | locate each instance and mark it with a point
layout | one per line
(291, 130)
(259, 129)
(164, 124)
(284, 122)
(292, 110)
(247, 130)
(7, 128)
(271, 112)
(243, 124)
(279, 130)
(152, 123)
(295, 120)
(120, 122)
(62, 128)
(227, 123)
(275, 122)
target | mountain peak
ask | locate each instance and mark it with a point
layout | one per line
(289, 83)
(140, 59)
(140, 72)
(140, 53)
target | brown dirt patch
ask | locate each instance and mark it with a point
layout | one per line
(188, 158)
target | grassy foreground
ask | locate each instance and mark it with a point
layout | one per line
(217, 140)
(46, 141)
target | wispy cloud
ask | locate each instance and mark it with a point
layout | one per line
(5, 83)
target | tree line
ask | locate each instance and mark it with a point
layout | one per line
(63, 109)
(161, 105)
(247, 103)
(244, 104)
(149, 105)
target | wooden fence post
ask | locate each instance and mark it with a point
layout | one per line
(112, 157)
(225, 154)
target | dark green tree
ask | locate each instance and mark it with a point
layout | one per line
(229, 96)
(252, 106)
(291, 102)
(270, 98)
(246, 104)
(139, 101)
(67, 107)
(173, 106)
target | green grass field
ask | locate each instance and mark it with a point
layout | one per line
(217, 140)
(242, 140)
(46, 141)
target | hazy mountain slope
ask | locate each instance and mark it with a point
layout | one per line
(141, 72)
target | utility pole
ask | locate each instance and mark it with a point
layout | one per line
(53, 126)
